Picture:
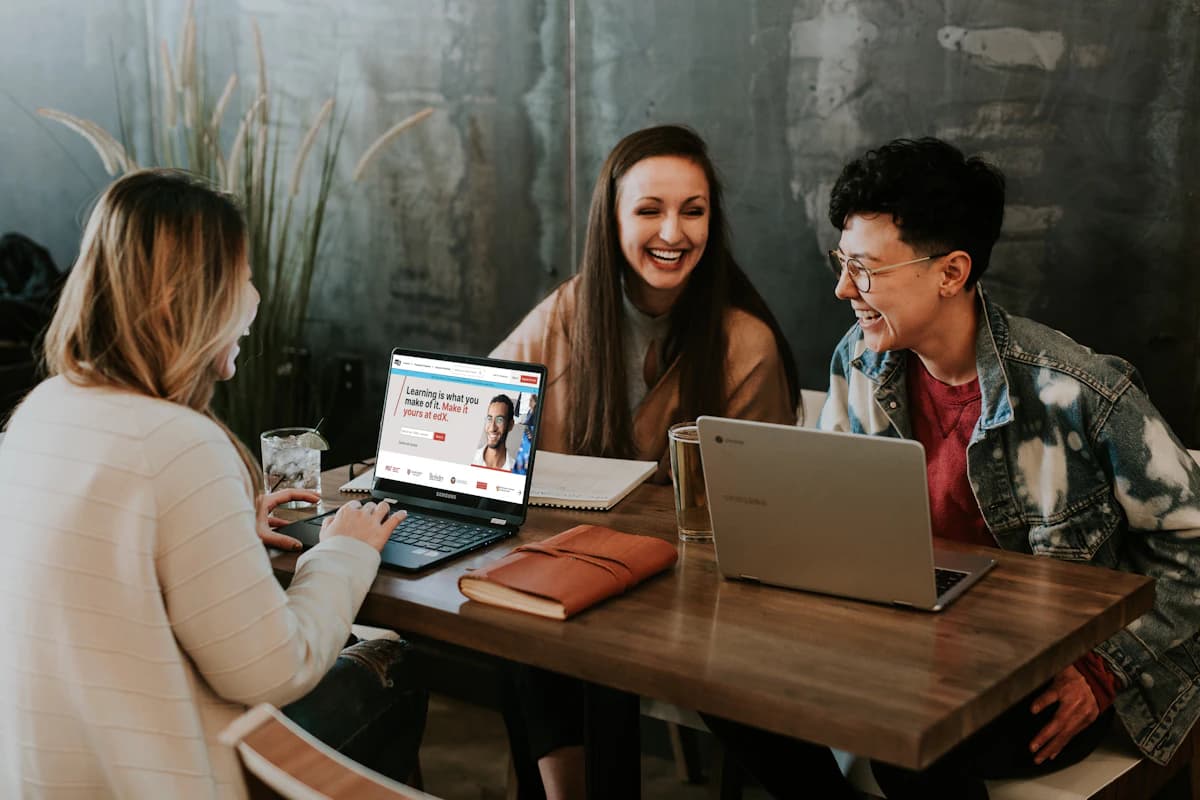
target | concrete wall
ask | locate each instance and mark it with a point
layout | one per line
(1088, 105)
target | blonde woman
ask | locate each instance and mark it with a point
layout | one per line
(140, 613)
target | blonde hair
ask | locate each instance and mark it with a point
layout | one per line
(155, 297)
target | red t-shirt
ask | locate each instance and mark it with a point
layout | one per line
(943, 419)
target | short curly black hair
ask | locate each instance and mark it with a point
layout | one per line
(507, 402)
(939, 199)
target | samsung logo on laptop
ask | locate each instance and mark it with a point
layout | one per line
(446, 495)
(745, 500)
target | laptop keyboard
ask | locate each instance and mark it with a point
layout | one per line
(947, 579)
(440, 533)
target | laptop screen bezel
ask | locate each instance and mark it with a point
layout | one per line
(485, 509)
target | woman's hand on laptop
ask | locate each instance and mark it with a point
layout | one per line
(265, 522)
(365, 522)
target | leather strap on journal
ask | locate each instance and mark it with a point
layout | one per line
(624, 576)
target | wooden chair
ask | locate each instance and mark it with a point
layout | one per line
(281, 760)
(365, 632)
(684, 726)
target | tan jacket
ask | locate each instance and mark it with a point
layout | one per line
(755, 381)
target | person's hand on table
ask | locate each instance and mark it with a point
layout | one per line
(267, 522)
(1077, 708)
(365, 522)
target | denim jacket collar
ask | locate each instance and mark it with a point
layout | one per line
(991, 342)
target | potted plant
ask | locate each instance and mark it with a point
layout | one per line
(285, 211)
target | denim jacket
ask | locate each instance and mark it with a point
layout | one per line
(1070, 459)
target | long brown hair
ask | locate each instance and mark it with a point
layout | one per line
(601, 422)
(155, 297)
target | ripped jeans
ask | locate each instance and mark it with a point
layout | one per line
(369, 707)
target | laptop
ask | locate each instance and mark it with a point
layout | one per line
(457, 442)
(837, 513)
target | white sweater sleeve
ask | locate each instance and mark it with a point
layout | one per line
(250, 640)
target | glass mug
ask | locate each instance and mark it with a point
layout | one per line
(291, 462)
(687, 478)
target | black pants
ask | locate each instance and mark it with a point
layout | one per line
(999, 750)
(550, 706)
(545, 711)
(369, 706)
(791, 769)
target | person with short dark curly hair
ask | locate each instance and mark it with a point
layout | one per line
(1033, 443)
(940, 200)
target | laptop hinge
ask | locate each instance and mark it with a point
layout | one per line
(498, 521)
(750, 578)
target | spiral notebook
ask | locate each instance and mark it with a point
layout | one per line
(564, 481)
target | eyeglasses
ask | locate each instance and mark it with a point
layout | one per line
(860, 274)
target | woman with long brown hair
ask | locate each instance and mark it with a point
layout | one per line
(141, 614)
(660, 325)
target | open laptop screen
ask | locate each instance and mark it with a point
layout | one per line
(459, 432)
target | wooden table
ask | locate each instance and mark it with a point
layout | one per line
(896, 685)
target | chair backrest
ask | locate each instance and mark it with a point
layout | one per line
(281, 760)
(811, 401)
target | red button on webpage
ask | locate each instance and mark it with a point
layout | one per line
(480, 485)
(439, 437)
(529, 379)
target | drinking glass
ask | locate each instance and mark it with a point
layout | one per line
(687, 477)
(290, 462)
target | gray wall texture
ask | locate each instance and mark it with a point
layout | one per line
(1090, 107)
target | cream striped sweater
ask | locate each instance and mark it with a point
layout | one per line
(138, 610)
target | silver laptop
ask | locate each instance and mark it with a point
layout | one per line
(837, 513)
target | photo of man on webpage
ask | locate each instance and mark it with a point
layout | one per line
(493, 451)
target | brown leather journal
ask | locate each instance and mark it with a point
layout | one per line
(568, 572)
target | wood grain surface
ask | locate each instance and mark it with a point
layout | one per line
(898, 685)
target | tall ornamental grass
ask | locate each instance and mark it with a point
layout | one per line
(284, 209)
